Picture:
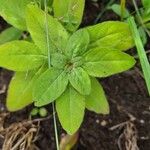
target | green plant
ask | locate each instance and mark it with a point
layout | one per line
(140, 27)
(142, 17)
(141, 52)
(61, 63)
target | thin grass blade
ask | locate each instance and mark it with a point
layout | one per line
(141, 52)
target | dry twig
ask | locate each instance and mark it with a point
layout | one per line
(21, 135)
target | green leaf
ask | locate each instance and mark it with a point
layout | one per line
(103, 62)
(70, 107)
(10, 34)
(41, 3)
(20, 56)
(50, 85)
(38, 27)
(145, 14)
(20, 89)
(58, 60)
(97, 101)
(147, 25)
(141, 52)
(112, 34)
(143, 35)
(78, 43)
(146, 3)
(117, 9)
(13, 11)
(69, 12)
(80, 81)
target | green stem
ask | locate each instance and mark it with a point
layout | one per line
(55, 126)
(123, 3)
(49, 65)
(47, 34)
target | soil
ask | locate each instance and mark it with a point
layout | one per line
(129, 118)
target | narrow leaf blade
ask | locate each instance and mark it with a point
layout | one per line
(141, 52)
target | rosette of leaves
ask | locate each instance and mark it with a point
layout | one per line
(61, 63)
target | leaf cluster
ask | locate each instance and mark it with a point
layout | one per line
(61, 62)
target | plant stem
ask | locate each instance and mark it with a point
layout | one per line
(55, 126)
(47, 34)
(49, 65)
(123, 3)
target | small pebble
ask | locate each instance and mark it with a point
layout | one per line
(97, 121)
(2, 108)
(103, 123)
(142, 121)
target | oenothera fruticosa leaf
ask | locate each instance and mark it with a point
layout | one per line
(103, 62)
(20, 56)
(80, 80)
(10, 34)
(39, 26)
(20, 89)
(13, 11)
(97, 101)
(69, 12)
(77, 43)
(112, 34)
(70, 107)
(49, 86)
(58, 60)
